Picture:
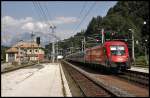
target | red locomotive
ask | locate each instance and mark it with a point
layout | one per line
(112, 54)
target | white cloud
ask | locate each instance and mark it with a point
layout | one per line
(9, 21)
(41, 25)
(64, 20)
(67, 19)
(17, 27)
(27, 19)
(28, 26)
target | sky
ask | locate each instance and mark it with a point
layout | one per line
(21, 18)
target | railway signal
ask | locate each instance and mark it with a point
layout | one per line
(38, 42)
(98, 39)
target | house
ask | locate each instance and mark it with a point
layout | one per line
(24, 52)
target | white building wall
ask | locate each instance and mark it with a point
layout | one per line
(6, 57)
(34, 51)
(16, 57)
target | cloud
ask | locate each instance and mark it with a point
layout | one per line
(67, 19)
(41, 25)
(9, 21)
(28, 26)
(13, 29)
(64, 20)
(27, 19)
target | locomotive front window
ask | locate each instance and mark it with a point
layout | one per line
(117, 50)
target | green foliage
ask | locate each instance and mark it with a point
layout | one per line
(3, 53)
(140, 60)
(123, 16)
(94, 25)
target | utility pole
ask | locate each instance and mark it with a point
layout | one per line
(38, 55)
(57, 50)
(133, 57)
(19, 56)
(19, 46)
(83, 44)
(133, 48)
(72, 47)
(53, 44)
(102, 35)
(32, 45)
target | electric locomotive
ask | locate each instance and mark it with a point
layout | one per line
(111, 55)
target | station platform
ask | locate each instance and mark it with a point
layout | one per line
(44, 80)
(140, 69)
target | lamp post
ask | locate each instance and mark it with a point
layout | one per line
(144, 22)
(146, 57)
(133, 56)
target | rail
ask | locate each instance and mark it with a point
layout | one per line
(138, 77)
(111, 90)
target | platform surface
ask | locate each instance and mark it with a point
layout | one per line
(140, 69)
(35, 81)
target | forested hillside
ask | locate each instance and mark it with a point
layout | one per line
(123, 16)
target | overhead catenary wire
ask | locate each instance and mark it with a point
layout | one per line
(46, 18)
(81, 11)
(43, 13)
(48, 13)
(37, 12)
(40, 12)
(84, 5)
(92, 6)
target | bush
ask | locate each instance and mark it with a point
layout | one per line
(140, 60)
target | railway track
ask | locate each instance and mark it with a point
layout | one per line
(137, 77)
(106, 85)
(88, 88)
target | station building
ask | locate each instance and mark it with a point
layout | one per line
(25, 51)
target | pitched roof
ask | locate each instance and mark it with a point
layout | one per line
(26, 45)
(13, 49)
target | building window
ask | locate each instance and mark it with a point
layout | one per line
(36, 50)
(11, 55)
(30, 50)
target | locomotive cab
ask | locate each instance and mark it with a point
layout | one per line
(117, 55)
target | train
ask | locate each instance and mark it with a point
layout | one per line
(111, 55)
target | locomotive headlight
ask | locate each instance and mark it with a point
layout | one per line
(127, 58)
(120, 59)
